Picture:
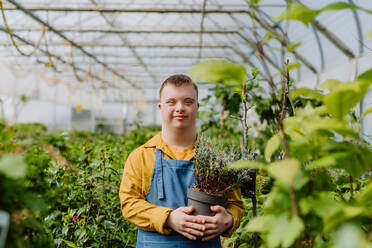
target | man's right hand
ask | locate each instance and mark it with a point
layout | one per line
(188, 225)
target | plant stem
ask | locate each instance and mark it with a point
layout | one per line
(294, 201)
(285, 92)
(244, 121)
(351, 187)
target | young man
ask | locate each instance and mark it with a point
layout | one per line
(153, 191)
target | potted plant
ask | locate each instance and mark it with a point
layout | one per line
(213, 179)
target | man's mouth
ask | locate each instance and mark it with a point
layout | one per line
(179, 117)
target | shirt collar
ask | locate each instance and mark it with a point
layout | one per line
(158, 143)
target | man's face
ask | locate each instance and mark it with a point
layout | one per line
(178, 106)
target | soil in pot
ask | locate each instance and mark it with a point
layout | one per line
(203, 201)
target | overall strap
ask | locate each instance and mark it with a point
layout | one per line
(159, 169)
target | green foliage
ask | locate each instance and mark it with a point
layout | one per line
(211, 172)
(344, 97)
(272, 145)
(216, 118)
(220, 71)
(68, 195)
(321, 188)
(284, 170)
(293, 46)
(304, 14)
(368, 111)
(13, 166)
(297, 11)
(323, 150)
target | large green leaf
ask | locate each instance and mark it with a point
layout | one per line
(344, 96)
(272, 145)
(338, 6)
(365, 196)
(220, 71)
(242, 164)
(323, 205)
(284, 170)
(368, 111)
(13, 166)
(284, 231)
(363, 87)
(281, 230)
(302, 13)
(330, 84)
(342, 99)
(354, 159)
(327, 161)
(299, 12)
(259, 223)
(308, 93)
(321, 110)
(330, 125)
(300, 180)
(292, 127)
(367, 75)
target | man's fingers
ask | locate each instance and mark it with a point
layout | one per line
(209, 219)
(187, 235)
(193, 232)
(217, 208)
(195, 226)
(187, 210)
(209, 237)
(195, 219)
(210, 232)
(210, 226)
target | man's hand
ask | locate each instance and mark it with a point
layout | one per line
(217, 224)
(188, 225)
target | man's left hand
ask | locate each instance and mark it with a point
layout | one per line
(217, 224)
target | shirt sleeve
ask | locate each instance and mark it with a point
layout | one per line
(134, 206)
(234, 207)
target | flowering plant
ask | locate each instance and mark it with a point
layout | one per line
(211, 172)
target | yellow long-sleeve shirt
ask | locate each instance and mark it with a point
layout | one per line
(136, 182)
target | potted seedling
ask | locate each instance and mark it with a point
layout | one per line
(213, 179)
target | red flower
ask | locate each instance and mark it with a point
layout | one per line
(74, 218)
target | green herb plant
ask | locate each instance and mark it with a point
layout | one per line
(211, 172)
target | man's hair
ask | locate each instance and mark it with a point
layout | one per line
(178, 80)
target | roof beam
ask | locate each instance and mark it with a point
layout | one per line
(240, 54)
(249, 41)
(58, 33)
(124, 10)
(47, 53)
(94, 44)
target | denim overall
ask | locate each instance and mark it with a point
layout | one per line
(169, 184)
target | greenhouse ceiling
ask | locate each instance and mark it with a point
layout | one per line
(122, 45)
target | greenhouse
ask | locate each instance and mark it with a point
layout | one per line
(269, 101)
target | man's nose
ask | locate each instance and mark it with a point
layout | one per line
(179, 106)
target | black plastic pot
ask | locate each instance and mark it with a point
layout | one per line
(202, 202)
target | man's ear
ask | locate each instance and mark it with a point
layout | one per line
(198, 105)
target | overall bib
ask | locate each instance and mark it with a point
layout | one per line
(168, 188)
